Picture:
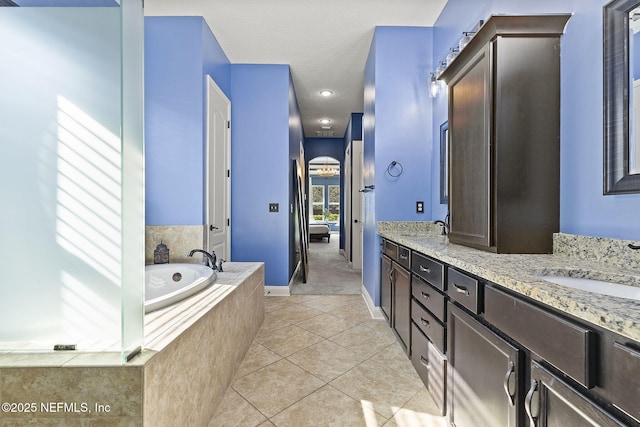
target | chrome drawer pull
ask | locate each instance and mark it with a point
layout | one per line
(508, 384)
(425, 269)
(424, 362)
(527, 403)
(425, 296)
(425, 322)
(461, 289)
(404, 256)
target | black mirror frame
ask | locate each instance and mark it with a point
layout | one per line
(444, 163)
(617, 179)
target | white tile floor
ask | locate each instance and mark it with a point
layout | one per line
(320, 360)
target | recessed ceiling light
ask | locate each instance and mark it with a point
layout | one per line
(325, 121)
(326, 92)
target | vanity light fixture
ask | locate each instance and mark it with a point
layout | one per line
(326, 92)
(452, 55)
(434, 86)
(466, 38)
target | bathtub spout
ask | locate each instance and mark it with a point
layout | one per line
(211, 257)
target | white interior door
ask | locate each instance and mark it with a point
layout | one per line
(357, 155)
(218, 180)
(347, 203)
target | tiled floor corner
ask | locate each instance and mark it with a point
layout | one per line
(320, 360)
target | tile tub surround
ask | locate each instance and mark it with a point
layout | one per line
(192, 350)
(180, 239)
(518, 272)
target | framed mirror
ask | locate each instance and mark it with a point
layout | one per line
(444, 163)
(622, 97)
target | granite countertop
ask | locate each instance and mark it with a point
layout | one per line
(518, 272)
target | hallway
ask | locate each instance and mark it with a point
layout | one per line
(320, 360)
(329, 272)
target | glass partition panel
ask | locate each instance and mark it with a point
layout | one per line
(62, 223)
(133, 176)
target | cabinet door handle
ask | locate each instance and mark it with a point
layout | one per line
(508, 384)
(425, 322)
(404, 256)
(425, 269)
(461, 289)
(424, 362)
(425, 295)
(528, 401)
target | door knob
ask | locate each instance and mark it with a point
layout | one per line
(355, 221)
(211, 228)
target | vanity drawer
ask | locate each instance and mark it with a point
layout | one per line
(568, 346)
(429, 325)
(429, 270)
(431, 366)
(390, 249)
(404, 257)
(625, 378)
(429, 297)
(465, 290)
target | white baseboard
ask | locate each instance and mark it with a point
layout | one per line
(376, 312)
(277, 291)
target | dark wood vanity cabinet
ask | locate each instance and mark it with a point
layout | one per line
(386, 290)
(552, 402)
(428, 325)
(484, 375)
(504, 135)
(490, 356)
(402, 306)
(395, 290)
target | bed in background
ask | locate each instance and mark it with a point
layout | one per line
(319, 230)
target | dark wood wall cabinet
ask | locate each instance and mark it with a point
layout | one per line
(504, 135)
(492, 357)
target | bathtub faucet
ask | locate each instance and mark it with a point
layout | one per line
(211, 257)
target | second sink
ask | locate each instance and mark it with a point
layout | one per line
(595, 286)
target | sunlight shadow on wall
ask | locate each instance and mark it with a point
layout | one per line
(88, 224)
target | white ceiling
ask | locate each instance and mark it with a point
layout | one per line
(325, 42)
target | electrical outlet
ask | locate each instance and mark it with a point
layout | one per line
(274, 207)
(419, 207)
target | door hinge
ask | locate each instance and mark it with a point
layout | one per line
(228, 173)
(228, 124)
(228, 222)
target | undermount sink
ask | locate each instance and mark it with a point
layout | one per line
(596, 286)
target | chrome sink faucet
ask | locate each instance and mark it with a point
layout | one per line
(445, 225)
(211, 258)
(634, 247)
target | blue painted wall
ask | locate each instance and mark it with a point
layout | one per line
(260, 168)
(397, 127)
(179, 52)
(583, 208)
